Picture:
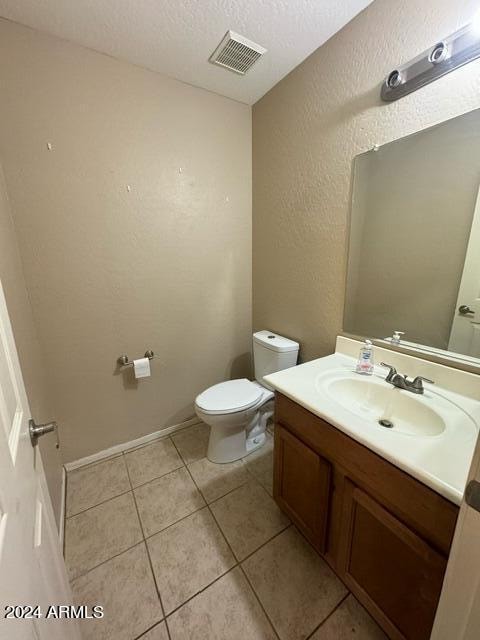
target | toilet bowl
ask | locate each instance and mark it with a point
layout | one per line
(238, 410)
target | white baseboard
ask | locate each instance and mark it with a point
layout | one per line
(61, 530)
(120, 448)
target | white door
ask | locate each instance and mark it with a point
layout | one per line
(458, 614)
(465, 334)
(32, 570)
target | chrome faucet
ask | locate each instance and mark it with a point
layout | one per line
(401, 381)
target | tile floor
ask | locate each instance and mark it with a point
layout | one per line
(178, 548)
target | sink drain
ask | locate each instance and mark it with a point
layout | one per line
(388, 424)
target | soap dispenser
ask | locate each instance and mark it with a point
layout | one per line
(365, 359)
(397, 336)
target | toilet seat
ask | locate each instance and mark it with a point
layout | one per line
(229, 397)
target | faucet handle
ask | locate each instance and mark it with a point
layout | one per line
(417, 383)
(392, 371)
(416, 386)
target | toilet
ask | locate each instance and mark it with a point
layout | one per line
(238, 410)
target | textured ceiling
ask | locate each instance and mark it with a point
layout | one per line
(177, 38)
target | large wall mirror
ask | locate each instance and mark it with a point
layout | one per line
(414, 250)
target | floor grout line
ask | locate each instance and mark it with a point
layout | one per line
(244, 573)
(144, 537)
(252, 474)
(138, 486)
(99, 504)
(142, 484)
(147, 550)
(328, 616)
(225, 494)
(94, 463)
(238, 563)
(279, 533)
(128, 472)
(135, 503)
(178, 450)
(139, 446)
(147, 444)
(250, 477)
(157, 624)
(197, 593)
(156, 585)
(84, 573)
(169, 526)
(132, 487)
(141, 542)
(145, 540)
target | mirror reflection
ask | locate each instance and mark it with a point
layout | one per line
(414, 250)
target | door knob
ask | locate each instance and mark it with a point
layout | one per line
(465, 310)
(37, 430)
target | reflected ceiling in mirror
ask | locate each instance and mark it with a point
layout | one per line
(414, 246)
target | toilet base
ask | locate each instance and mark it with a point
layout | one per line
(226, 444)
(234, 435)
(231, 442)
(255, 442)
(228, 447)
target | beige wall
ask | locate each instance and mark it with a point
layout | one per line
(306, 132)
(166, 266)
(28, 346)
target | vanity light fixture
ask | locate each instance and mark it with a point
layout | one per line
(458, 49)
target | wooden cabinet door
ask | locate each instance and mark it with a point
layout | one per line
(302, 486)
(391, 570)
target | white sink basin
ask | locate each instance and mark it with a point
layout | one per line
(433, 435)
(375, 400)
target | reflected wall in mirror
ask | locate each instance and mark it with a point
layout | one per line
(414, 250)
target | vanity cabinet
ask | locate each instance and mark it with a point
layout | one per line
(384, 533)
(304, 487)
(395, 573)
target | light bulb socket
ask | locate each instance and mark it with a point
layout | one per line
(439, 53)
(394, 79)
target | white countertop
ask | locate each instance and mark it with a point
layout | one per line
(441, 461)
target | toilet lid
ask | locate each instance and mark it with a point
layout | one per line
(230, 396)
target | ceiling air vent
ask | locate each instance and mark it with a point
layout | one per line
(236, 53)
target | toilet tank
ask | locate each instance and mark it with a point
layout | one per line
(271, 353)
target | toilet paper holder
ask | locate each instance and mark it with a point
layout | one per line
(123, 361)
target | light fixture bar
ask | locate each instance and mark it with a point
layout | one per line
(458, 49)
